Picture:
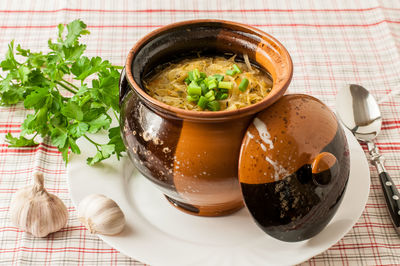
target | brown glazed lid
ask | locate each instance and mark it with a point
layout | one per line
(293, 167)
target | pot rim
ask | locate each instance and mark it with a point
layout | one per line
(274, 95)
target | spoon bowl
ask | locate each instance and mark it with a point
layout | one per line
(359, 112)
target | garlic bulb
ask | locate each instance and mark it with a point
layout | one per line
(36, 211)
(101, 215)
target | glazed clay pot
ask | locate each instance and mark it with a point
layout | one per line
(193, 156)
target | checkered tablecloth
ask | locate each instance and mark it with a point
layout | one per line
(332, 43)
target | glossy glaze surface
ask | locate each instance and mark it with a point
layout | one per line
(193, 156)
(294, 167)
(197, 176)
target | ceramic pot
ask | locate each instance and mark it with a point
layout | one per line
(193, 156)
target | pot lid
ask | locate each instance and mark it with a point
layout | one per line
(289, 167)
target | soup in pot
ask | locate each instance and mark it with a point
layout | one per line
(209, 84)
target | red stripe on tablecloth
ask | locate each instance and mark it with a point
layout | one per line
(10, 131)
(28, 150)
(10, 125)
(61, 249)
(31, 170)
(388, 143)
(391, 127)
(255, 25)
(389, 148)
(375, 205)
(200, 11)
(393, 168)
(385, 124)
(42, 144)
(360, 225)
(390, 122)
(368, 245)
(378, 187)
(327, 25)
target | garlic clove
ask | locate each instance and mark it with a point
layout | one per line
(36, 211)
(101, 215)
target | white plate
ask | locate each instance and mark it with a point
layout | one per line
(158, 234)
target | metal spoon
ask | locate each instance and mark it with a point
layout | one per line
(359, 112)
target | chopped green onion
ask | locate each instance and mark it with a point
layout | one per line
(221, 96)
(237, 69)
(225, 85)
(230, 72)
(209, 94)
(192, 98)
(243, 84)
(219, 77)
(194, 89)
(191, 76)
(202, 102)
(207, 91)
(212, 84)
(193, 84)
(204, 88)
(210, 78)
(213, 106)
(224, 96)
(196, 74)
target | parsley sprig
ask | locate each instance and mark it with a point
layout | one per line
(40, 81)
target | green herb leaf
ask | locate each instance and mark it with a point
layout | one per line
(23, 72)
(107, 150)
(59, 137)
(74, 146)
(75, 29)
(72, 110)
(103, 121)
(37, 98)
(80, 66)
(28, 126)
(115, 138)
(64, 152)
(12, 95)
(93, 160)
(19, 142)
(10, 63)
(77, 130)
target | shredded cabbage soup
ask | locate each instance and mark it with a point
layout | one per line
(209, 83)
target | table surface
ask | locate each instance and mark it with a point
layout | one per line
(331, 44)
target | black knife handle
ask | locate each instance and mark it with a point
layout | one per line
(392, 197)
(390, 191)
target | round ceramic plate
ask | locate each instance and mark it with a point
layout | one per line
(158, 234)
